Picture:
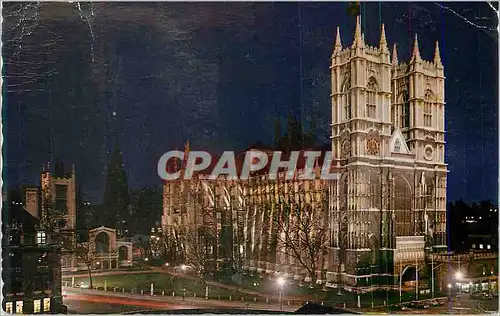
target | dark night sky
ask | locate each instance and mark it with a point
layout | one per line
(76, 79)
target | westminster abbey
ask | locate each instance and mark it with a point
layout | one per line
(386, 212)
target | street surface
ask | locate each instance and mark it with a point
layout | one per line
(464, 305)
(83, 301)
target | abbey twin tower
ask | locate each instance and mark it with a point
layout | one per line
(387, 209)
(388, 136)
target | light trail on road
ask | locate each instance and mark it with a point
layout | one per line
(126, 301)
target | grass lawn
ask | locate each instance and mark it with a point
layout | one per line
(161, 282)
(328, 296)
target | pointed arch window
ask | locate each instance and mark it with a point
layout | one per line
(428, 109)
(371, 98)
(405, 111)
(347, 98)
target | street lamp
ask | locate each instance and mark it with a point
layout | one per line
(281, 283)
(459, 275)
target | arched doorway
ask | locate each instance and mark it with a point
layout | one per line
(122, 253)
(408, 279)
(102, 243)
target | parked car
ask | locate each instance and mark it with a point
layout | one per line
(419, 305)
(486, 296)
(82, 285)
(425, 305)
(434, 303)
(399, 307)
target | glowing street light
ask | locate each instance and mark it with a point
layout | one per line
(183, 267)
(281, 282)
(458, 275)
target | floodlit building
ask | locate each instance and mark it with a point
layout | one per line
(385, 213)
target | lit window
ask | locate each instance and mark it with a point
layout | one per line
(241, 249)
(37, 305)
(404, 120)
(473, 246)
(8, 307)
(371, 105)
(488, 247)
(46, 304)
(41, 238)
(428, 109)
(480, 246)
(347, 99)
(19, 307)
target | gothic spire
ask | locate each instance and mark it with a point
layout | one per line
(395, 55)
(383, 41)
(338, 41)
(437, 55)
(358, 41)
(187, 149)
(416, 52)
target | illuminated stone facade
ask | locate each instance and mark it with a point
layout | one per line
(387, 211)
(389, 206)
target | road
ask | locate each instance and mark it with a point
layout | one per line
(93, 302)
(98, 302)
(463, 306)
(82, 306)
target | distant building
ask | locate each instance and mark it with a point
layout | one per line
(58, 205)
(482, 235)
(470, 272)
(112, 252)
(31, 266)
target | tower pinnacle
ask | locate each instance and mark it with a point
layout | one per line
(395, 55)
(383, 41)
(437, 56)
(358, 41)
(416, 52)
(338, 41)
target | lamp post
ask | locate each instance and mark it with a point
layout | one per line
(458, 277)
(281, 283)
(432, 274)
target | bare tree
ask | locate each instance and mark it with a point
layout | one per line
(87, 254)
(196, 249)
(303, 235)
